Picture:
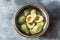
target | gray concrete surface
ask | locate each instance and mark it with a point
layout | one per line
(7, 9)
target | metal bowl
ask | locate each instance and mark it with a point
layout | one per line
(38, 6)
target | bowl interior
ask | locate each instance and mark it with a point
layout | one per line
(20, 11)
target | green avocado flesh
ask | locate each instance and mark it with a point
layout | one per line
(21, 19)
(26, 12)
(24, 28)
(37, 27)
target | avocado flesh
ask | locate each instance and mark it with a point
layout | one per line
(24, 28)
(26, 12)
(37, 28)
(21, 19)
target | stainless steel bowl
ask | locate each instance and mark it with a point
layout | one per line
(44, 12)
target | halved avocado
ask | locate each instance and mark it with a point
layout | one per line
(30, 18)
(30, 25)
(39, 18)
(24, 28)
(37, 28)
(21, 19)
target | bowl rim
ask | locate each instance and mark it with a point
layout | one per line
(38, 6)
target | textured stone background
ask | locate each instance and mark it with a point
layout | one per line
(7, 9)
